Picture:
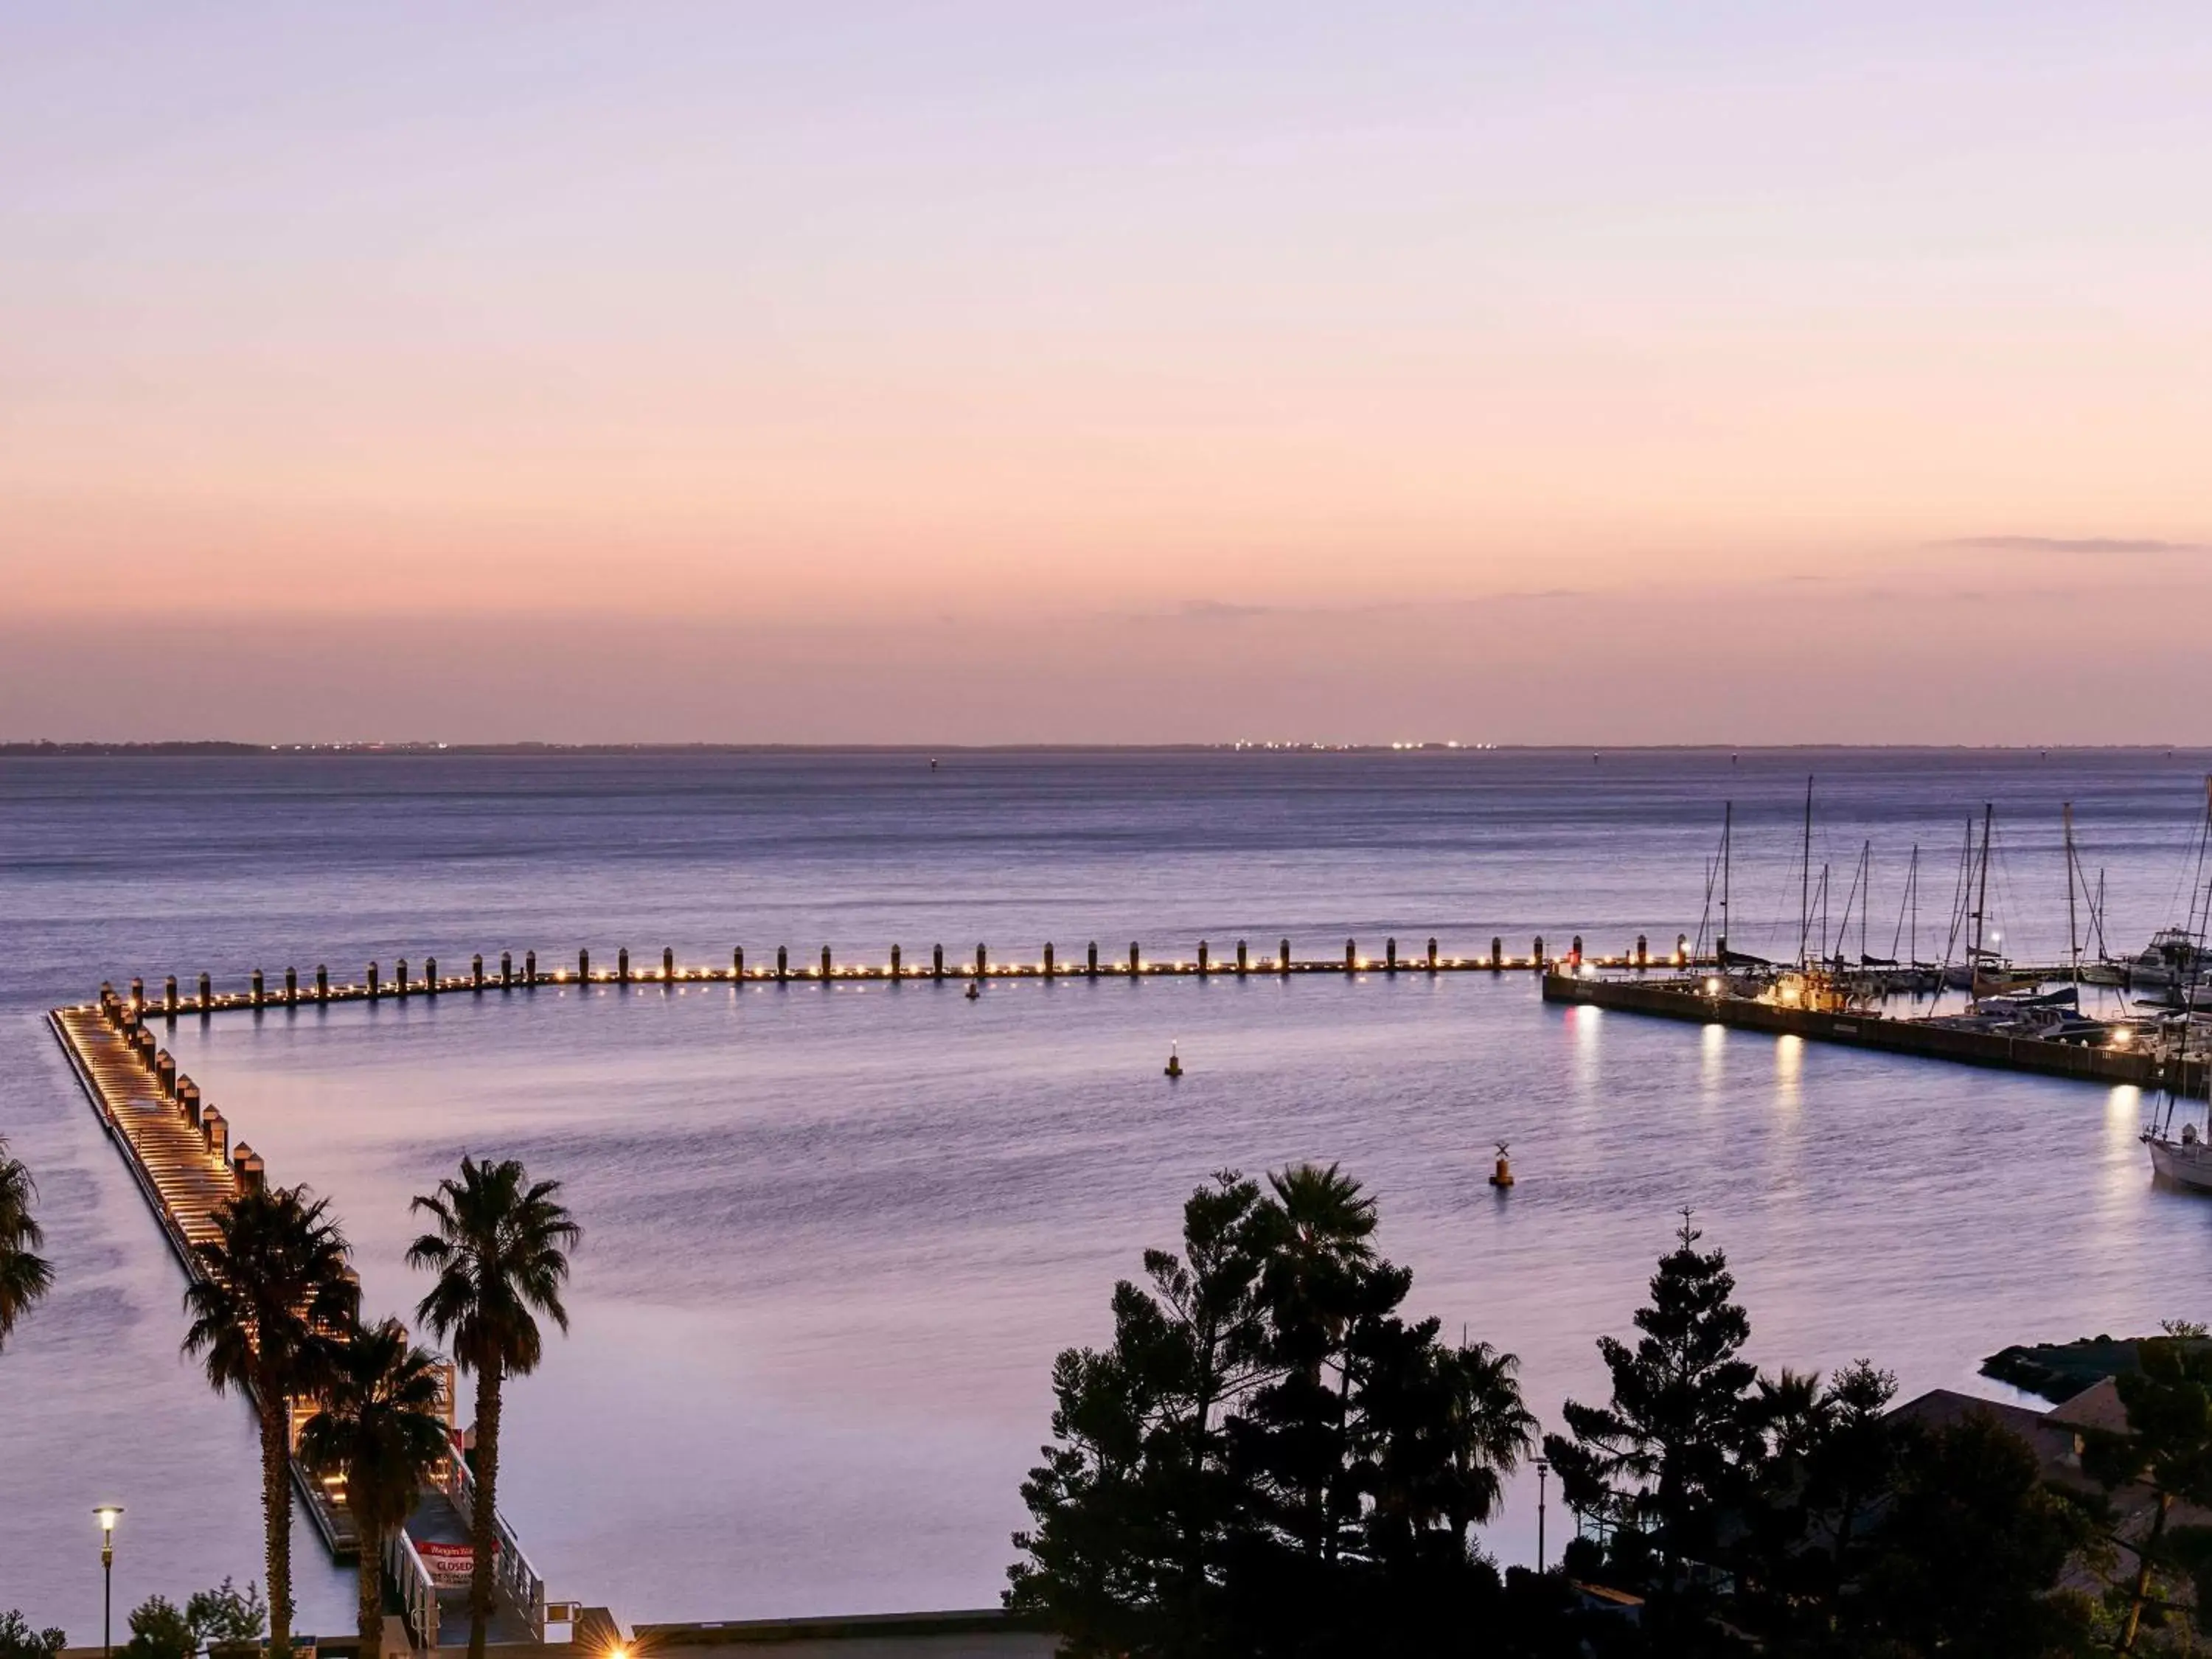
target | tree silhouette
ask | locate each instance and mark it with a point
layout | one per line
(277, 1287)
(1677, 1443)
(501, 1252)
(25, 1276)
(379, 1430)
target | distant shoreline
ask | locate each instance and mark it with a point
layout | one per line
(187, 748)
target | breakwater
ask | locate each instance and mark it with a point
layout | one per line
(1685, 999)
(293, 989)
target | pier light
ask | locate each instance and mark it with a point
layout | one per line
(2120, 1038)
(107, 1514)
(1712, 987)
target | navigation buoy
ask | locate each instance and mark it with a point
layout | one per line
(1503, 1175)
(974, 989)
(1175, 1061)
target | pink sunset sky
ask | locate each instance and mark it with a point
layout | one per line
(1032, 372)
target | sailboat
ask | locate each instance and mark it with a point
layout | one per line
(2185, 1159)
(2176, 956)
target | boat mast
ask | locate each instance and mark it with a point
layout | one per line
(1866, 895)
(1805, 882)
(1727, 830)
(1981, 899)
(1913, 900)
(2073, 935)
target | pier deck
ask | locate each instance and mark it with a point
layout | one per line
(1686, 999)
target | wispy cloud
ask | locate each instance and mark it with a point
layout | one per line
(1221, 610)
(2068, 544)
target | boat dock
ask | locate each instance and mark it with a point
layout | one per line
(179, 1151)
(1704, 1003)
(296, 991)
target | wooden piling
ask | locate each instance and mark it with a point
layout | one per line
(291, 988)
(1244, 962)
(895, 962)
(207, 997)
(783, 964)
(825, 964)
(584, 966)
(256, 983)
(621, 966)
(322, 981)
(169, 1000)
(372, 981)
(1135, 967)
(429, 976)
(1201, 956)
(1351, 956)
(1090, 961)
(667, 963)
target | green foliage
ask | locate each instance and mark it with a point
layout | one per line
(1972, 1547)
(501, 1252)
(1680, 1440)
(276, 1280)
(25, 1276)
(224, 1614)
(19, 1641)
(1268, 1458)
(380, 1428)
(160, 1629)
(2168, 1446)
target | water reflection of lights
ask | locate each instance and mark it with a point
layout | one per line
(1788, 1070)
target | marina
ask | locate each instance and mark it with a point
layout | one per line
(839, 1228)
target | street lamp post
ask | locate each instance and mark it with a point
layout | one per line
(107, 1514)
(1543, 1468)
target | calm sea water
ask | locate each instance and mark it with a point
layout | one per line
(835, 1236)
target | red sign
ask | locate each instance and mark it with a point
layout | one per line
(449, 1564)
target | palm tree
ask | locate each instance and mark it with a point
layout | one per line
(501, 1255)
(380, 1430)
(276, 1286)
(25, 1276)
(1491, 1429)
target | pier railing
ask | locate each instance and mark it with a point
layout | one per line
(511, 1569)
(418, 1591)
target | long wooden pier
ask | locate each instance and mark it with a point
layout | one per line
(295, 990)
(179, 1150)
(1686, 997)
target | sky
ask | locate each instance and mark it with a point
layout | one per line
(998, 371)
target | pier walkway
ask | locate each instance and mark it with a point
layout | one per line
(179, 1153)
(376, 986)
(1688, 998)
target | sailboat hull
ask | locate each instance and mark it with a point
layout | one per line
(2185, 1165)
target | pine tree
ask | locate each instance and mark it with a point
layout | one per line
(1268, 1459)
(1656, 1466)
